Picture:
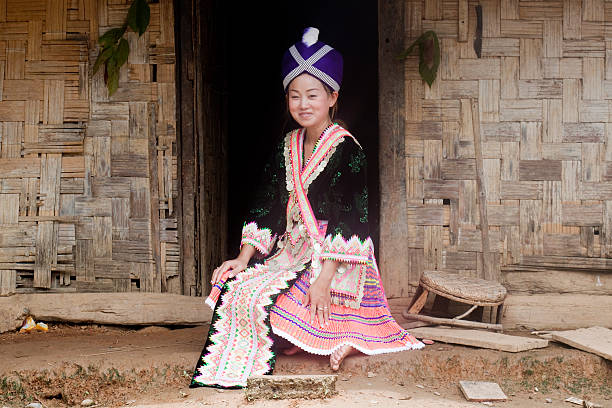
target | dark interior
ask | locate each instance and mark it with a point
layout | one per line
(257, 36)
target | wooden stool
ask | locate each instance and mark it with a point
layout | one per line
(473, 291)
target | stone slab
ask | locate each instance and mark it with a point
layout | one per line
(290, 386)
(480, 391)
(479, 338)
(596, 340)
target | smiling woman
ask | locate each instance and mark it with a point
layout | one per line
(317, 287)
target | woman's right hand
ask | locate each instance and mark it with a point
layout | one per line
(235, 266)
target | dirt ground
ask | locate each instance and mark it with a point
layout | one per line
(152, 367)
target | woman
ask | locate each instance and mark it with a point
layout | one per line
(317, 286)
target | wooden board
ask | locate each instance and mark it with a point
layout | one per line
(105, 308)
(556, 311)
(479, 338)
(480, 391)
(596, 340)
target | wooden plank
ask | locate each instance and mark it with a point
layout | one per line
(535, 170)
(582, 214)
(516, 110)
(478, 69)
(553, 38)
(593, 111)
(583, 132)
(541, 312)
(572, 16)
(500, 47)
(541, 88)
(521, 29)
(482, 391)
(8, 278)
(596, 340)
(571, 99)
(501, 132)
(53, 105)
(531, 227)
(530, 58)
(537, 10)
(584, 49)
(113, 308)
(480, 338)
(526, 279)
(524, 190)
(593, 77)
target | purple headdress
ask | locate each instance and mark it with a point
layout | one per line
(313, 57)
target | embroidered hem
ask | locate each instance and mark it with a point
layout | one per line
(351, 251)
(312, 350)
(260, 238)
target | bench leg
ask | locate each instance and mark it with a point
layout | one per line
(419, 302)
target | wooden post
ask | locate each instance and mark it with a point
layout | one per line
(186, 211)
(393, 213)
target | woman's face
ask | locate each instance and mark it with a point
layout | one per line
(309, 102)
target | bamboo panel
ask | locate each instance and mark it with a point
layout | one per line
(539, 10)
(521, 29)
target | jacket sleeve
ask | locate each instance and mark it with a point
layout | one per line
(347, 237)
(266, 216)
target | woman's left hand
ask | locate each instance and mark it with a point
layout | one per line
(319, 298)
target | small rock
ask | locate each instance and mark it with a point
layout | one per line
(87, 402)
(420, 386)
(548, 400)
(371, 374)
(531, 397)
(219, 390)
(130, 402)
(405, 398)
(536, 389)
(401, 384)
(344, 379)
(183, 394)
(34, 405)
(436, 393)
(487, 403)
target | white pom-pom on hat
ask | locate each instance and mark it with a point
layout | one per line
(310, 36)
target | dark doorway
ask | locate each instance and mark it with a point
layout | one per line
(257, 37)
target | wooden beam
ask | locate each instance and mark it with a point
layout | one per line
(393, 213)
(104, 308)
(186, 211)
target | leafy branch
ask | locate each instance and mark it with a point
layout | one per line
(115, 48)
(429, 55)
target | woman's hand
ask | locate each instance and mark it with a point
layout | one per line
(319, 298)
(235, 266)
(319, 293)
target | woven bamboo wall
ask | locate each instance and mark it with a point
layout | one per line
(87, 182)
(543, 88)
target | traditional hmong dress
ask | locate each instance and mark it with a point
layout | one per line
(309, 212)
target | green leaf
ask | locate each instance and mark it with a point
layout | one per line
(123, 50)
(111, 36)
(138, 16)
(103, 56)
(112, 71)
(429, 55)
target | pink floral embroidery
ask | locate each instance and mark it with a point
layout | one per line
(260, 238)
(351, 251)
